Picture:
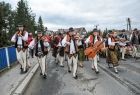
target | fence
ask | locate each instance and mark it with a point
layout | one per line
(7, 57)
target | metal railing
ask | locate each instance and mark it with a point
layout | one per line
(7, 57)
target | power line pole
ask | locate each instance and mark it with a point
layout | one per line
(128, 24)
(96, 26)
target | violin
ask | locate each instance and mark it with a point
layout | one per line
(122, 40)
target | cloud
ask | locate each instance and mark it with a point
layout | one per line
(106, 13)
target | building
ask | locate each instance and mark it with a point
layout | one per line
(49, 32)
(80, 30)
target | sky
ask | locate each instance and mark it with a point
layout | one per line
(111, 14)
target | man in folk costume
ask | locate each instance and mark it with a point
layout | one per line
(65, 36)
(100, 38)
(60, 54)
(54, 45)
(135, 40)
(113, 52)
(20, 39)
(122, 43)
(80, 43)
(41, 51)
(48, 39)
(71, 49)
(30, 52)
(93, 38)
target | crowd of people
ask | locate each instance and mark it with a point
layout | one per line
(75, 48)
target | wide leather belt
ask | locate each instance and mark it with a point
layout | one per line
(70, 55)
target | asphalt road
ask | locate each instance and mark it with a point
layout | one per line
(60, 82)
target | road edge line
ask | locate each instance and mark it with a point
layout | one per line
(120, 80)
(21, 88)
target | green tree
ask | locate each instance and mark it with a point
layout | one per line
(25, 16)
(9, 19)
(105, 33)
(5, 14)
(12, 26)
(40, 24)
(88, 34)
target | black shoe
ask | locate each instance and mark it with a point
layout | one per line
(25, 71)
(21, 71)
(97, 72)
(41, 74)
(109, 65)
(93, 69)
(116, 72)
(81, 66)
(69, 71)
(76, 77)
(56, 62)
(61, 65)
(44, 76)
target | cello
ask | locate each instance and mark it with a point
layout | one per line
(93, 50)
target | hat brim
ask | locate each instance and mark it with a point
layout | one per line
(39, 32)
(20, 26)
(71, 29)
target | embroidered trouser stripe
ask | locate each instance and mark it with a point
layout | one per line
(73, 61)
(21, 57)
(42, 63)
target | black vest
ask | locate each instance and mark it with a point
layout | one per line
(23, 42)
(16, 42)
(98, 38)
(42, 47)
(74, 41)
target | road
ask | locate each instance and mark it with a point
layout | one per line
(60, 82)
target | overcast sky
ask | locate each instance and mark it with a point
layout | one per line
(85, 13)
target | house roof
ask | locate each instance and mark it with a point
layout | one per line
(81, 29)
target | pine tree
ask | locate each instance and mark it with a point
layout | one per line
(9, 19)
(40, 24)
(105, 34)
(5, 13)
(25, 16)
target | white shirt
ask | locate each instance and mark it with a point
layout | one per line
(64, 41)
(32, 44)
(39, 45)
(72, 47)
(110, 42)
(79, 43)
(24, 38)
(19, 40)
(46, 44)
(87, 40)
(95, 40)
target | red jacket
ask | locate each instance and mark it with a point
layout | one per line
(30, 38)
